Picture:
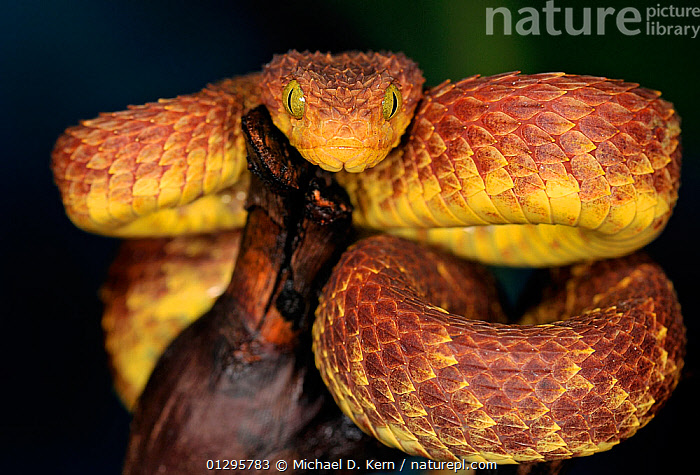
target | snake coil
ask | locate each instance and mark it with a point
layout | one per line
(534, 170)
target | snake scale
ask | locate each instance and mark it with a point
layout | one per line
(526, 170)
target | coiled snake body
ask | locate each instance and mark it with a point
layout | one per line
(539, 170)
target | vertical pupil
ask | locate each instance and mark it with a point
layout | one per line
(289, 100)
(293, 100)
(394, 104)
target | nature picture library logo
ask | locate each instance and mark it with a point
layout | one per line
(659, 20)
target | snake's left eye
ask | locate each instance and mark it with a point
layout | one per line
(392, 102)
(293, 98)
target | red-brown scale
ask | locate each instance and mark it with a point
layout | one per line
(447, 387)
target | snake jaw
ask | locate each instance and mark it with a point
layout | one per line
(335, 158)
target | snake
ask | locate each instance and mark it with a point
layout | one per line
(534, 170)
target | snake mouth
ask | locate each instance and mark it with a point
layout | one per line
(335, 158)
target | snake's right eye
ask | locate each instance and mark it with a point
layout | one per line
(293, 98)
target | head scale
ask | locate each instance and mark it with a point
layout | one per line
(342, 111)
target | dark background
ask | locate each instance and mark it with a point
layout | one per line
(62, 61)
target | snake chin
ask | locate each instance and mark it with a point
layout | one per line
(337, 158)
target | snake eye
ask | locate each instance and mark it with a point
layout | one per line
(392, 102)
(294, 101)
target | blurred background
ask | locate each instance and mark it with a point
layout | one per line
(63, 61)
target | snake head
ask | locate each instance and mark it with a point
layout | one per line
(344, 111)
